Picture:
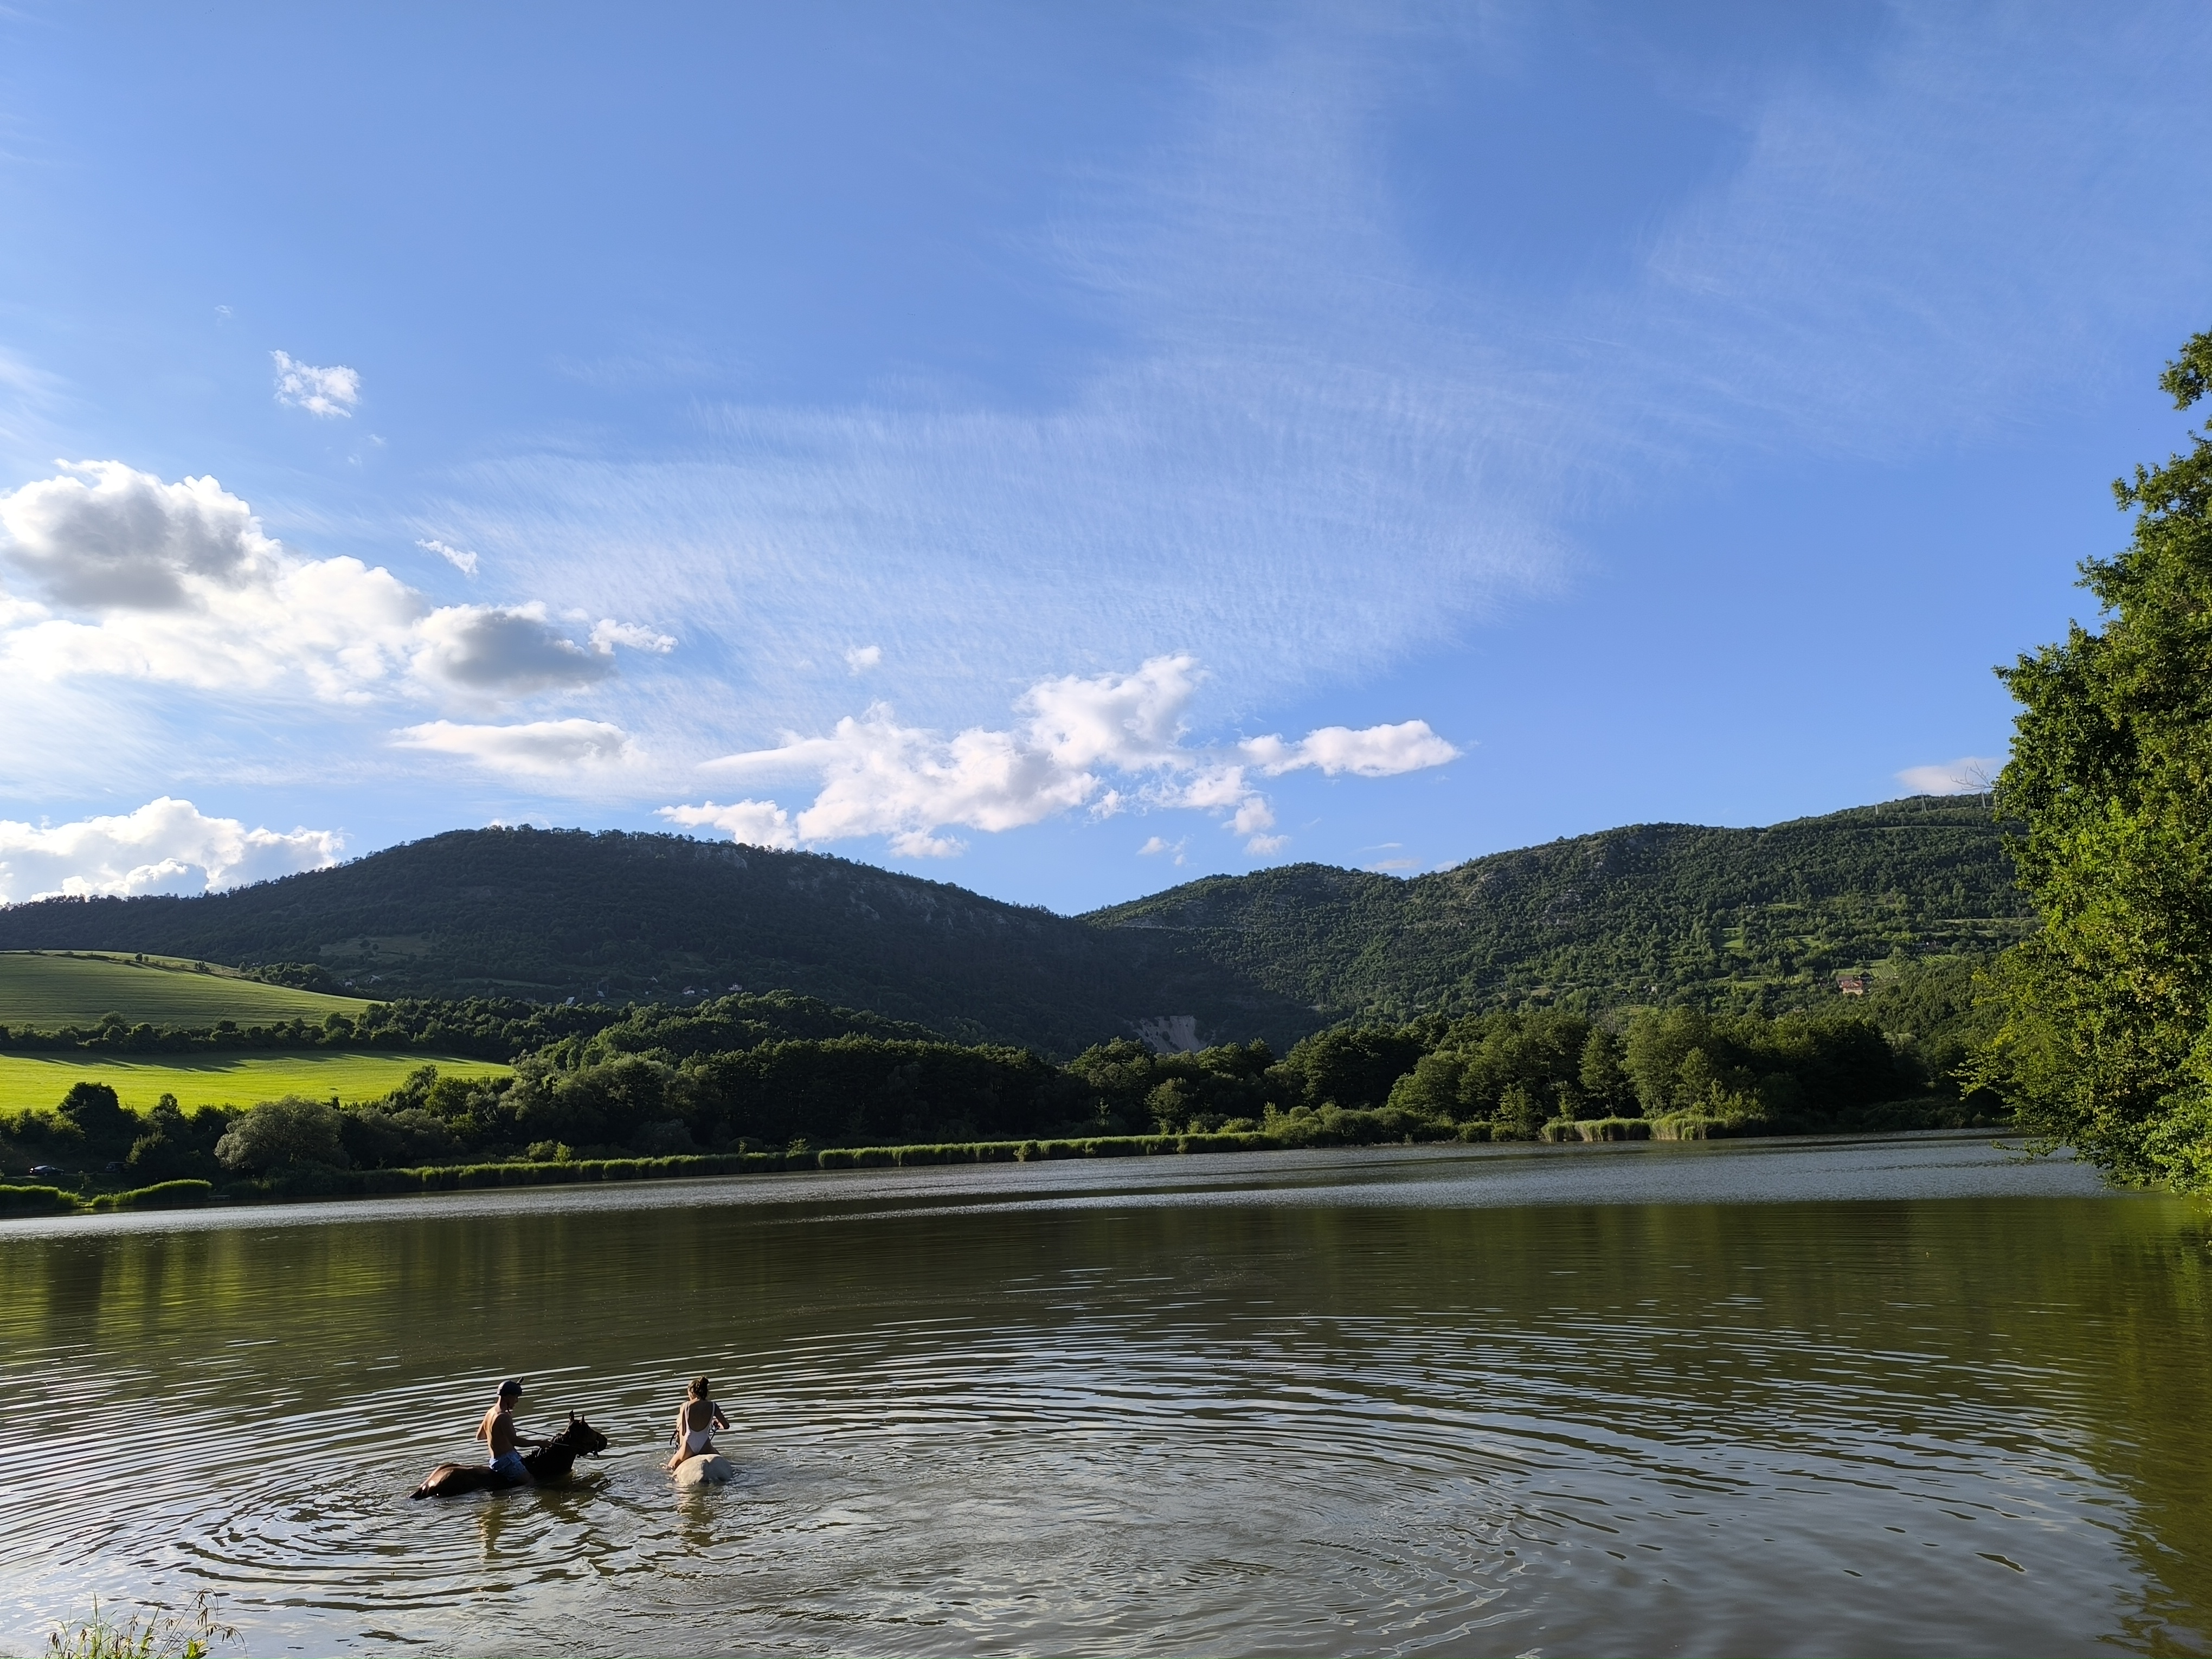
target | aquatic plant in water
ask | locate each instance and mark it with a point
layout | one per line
(149, 1633)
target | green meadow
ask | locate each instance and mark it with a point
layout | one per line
(43, 990)
(231, 1079)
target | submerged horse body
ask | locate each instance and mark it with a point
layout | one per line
(548, 1463)
(705, 1469)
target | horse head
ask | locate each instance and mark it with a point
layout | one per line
(582, 1438)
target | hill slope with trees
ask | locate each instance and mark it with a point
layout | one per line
(1751, 919)
(551, 915)
(1758, 920)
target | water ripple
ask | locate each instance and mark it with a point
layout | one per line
(1125, 1426)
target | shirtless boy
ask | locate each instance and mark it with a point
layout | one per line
(497, 1432)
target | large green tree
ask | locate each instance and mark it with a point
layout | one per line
(2107, 1040)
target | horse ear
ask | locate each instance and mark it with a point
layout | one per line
(572, 1417)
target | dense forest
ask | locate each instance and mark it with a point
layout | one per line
(487, 924)
(1752, 920)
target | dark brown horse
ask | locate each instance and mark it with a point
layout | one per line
(548, 1463)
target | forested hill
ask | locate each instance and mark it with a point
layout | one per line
(549, 915)
(1657, 913)
(1753, 918)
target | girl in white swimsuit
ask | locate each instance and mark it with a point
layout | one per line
(695, 1422)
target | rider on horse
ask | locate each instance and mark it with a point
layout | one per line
(497, 1430)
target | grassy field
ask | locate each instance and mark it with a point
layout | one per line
(41, 1080)
(41, 990)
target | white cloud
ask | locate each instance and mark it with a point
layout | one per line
(1380, 751)
(1265, 845)
(537, 749)
(111, 538)
(754, 822)
(177, 582)
(1254, 814)
(907, 783)
(324, 392)
(1969, 774)
(166, 846)
(861, 658)
(607, 632)
(460, 559)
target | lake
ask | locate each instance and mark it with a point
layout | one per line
(1910, 1396)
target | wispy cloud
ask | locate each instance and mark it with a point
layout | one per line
(1969, 774)
(462, 560)
(533, 748)
(1317, 447)
(329, 392)
(861, 658)
(166, 846)
(910, 784)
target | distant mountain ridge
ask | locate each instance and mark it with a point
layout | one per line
(1647, 913)
(1761, 918)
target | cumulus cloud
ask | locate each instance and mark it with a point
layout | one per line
(141, 578)
(460, 558)
(1380, 751)
(861, 658)
(507, 650)
(103, 535)
(1969, 774)
(537, 749)
(752, 823)
(166, 846)
(910, 784)
(326, 392)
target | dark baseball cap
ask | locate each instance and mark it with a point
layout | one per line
(509, 1388)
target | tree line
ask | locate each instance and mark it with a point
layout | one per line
(483, 1028)
(776, 1074)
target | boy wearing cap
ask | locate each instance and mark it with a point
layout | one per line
(497, 1430)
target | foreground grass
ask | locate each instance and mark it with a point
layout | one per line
(45, 990)
(28, 1081)
(149, 1633)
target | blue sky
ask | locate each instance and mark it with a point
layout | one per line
(1063, 452)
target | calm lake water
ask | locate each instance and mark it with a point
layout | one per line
(1904, 1396)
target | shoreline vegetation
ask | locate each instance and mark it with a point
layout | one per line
(776, 1081)
(1325, 1129)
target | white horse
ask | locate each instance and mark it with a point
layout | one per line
(707, 1469)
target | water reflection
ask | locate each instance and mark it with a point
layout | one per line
(1342, 1403)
